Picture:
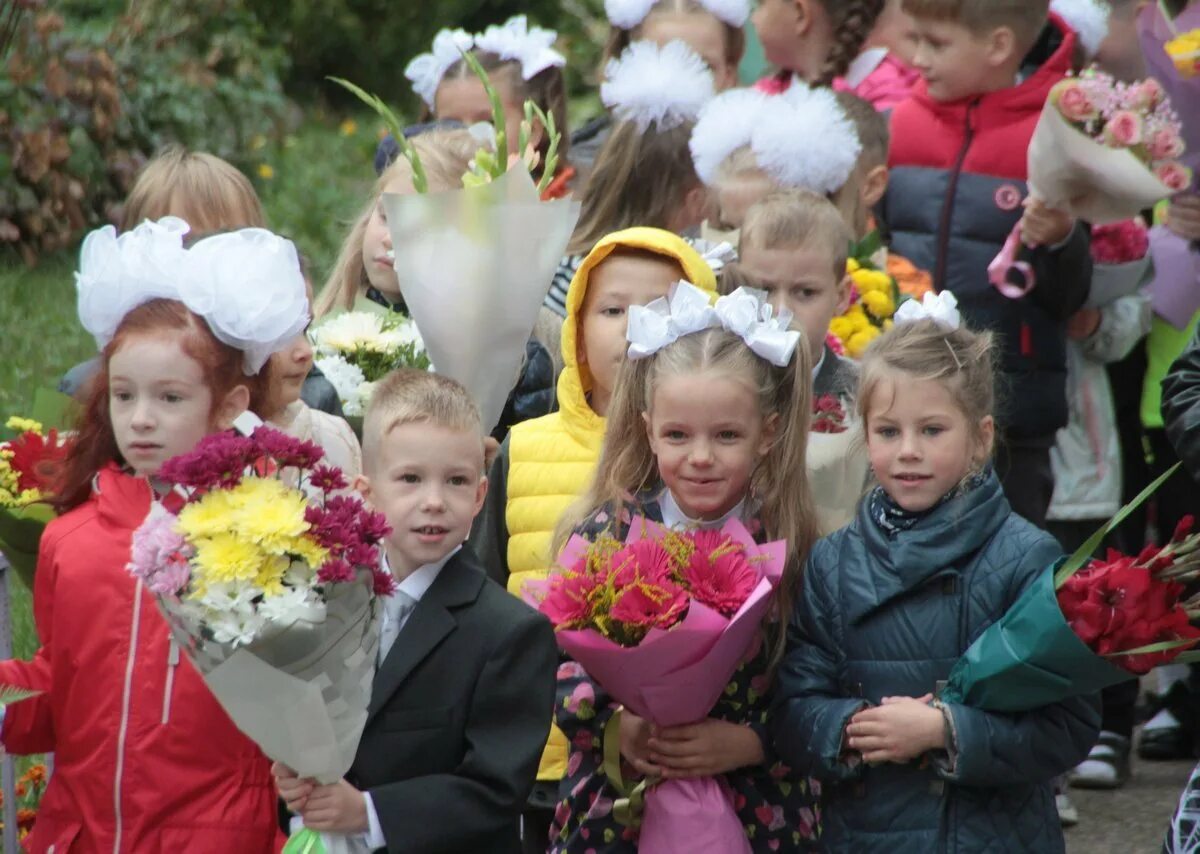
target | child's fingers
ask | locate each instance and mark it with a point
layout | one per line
(671, 748)
(647, 769)
(686, 732)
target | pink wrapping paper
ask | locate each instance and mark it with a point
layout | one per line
(675, 677)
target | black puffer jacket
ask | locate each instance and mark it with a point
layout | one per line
(888, 615)
(1181, 407)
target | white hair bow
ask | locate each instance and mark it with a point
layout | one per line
(686, 310)
(627, 14)
(515, 40)
(1089, 20)
(941, 308)
(427, 70)
(664, 86)
(246, 284)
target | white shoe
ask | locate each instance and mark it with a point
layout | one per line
(1068, 816)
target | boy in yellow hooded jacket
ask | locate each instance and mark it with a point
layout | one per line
(545, 464)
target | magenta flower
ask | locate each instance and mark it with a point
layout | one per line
(385, 583)
(361, 554)
(286, 450)
(327, 479)
(334, 571)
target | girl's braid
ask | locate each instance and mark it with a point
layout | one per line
(853, 22)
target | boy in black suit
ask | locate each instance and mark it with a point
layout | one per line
(459, 708)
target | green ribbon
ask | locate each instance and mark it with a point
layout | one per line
(628, 808)
(304, 841)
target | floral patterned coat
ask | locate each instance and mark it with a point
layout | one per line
(778, 808)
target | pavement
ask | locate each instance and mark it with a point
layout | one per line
(1132, 819)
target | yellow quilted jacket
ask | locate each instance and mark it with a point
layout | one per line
(552, 458)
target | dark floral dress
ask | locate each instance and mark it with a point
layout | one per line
(778, 809)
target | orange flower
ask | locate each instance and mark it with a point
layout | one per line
(26, 818)
(21, 790)
(35, 775)
(912, 281)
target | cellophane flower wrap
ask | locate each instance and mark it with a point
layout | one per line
(268, 574)
(662, 621)
(1104, 150)
(1084, 625)
(28, 464)
(356, 349)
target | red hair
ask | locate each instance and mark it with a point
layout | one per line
(95, 444)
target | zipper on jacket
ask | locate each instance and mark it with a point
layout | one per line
(172, 663)
(126, 700)
(943, 242)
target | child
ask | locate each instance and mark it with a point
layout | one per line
(701, 430)
(145, 757)
(521, 64)
(713, 29)
(643, 176)
(958, 168)
(793, 246)
(458, 708)
(819, 41)
(882, 73)
(210, 195)
(934, 556)
(545, 464)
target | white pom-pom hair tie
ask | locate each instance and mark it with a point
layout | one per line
(427, 70)
(515, 41)
(801, 139)
(627, 14)
(1089, 20)
(662, 86)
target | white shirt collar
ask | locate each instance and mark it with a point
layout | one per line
(864, 64)
(419, 581)
(674, 517)
(817, 367)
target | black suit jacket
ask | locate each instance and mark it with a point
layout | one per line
(459, 715)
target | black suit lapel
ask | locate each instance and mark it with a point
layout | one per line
(431, 621)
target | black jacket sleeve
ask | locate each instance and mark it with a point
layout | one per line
(1064, 273)
(505, 734)
(1181, 407)
(489, 533)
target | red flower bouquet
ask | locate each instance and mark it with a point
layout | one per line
(829, 416)
(662, 621)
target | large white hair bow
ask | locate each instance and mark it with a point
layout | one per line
(627, 14)
(941, 308)
(246, 284)
(427, 70)
(1089, 20)
(664, 86)
(515, 40)
(686, 310)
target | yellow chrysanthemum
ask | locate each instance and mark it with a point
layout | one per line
(842, 328)
(852, 266)
(211, 515)
(24, 425)
(270, 575)
(269, 513)
(309, 551)
(858, 343)
(879, 304)
(227, 557)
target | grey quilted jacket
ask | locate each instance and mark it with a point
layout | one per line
(888, 615)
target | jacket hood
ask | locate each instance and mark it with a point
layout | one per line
(123, 499)
(575, 382)
(1050, 59)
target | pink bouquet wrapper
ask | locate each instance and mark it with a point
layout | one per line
(675, 677)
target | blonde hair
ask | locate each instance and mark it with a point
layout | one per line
(409, 396)
(446, 155)
(798, 218)
(202, 189)
(1025, 18)
(639, 179)
(619, 39)
(871, 127)
(960, 359)
(780, 480)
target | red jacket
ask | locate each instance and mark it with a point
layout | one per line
(145, 759)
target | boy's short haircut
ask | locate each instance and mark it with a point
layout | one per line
(408, 396)
(1026, 18)
(733, 277)
(871, 127)
(794, 219)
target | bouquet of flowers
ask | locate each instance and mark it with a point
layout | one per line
(1184, 51)
(1105, 150)
(268, 577)
(1085, 624)
(1121, 256)
(829, 416)
(356, 349)
(28, 465)
(662, 621)
(836, 462)
(874, 298)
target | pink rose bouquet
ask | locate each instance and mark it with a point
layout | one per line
(662, 621)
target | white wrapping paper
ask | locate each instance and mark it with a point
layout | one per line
(474, 266)
(837, 475)
(1072, 173)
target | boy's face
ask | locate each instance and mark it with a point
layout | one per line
(957, 63)
(428, 481)
(618, 282)
(801, 280)
(736, 195)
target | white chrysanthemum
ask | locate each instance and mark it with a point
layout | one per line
(349, 331)
(806, 141)
(664, 86)
(293, 605)
(627, 14)
(1088, 18)
(403, 334)
(345, 377)
(724, 126)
